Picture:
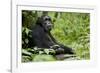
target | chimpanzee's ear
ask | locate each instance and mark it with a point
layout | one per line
(39, 21)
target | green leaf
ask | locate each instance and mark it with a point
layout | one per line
(25, 52)
(46, 51)
(39, 58)
(27, 31)
(26, 41)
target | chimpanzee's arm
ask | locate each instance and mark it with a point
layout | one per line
(66, 49)
(53, 39)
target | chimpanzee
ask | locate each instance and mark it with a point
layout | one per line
(43, 39)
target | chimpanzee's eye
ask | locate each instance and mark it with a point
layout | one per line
(49, 19)
(46, 19)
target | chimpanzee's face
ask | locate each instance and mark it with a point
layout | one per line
(47, 23)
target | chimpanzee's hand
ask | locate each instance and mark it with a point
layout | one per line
(59, 50)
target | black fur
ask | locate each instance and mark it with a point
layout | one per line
(43, 39)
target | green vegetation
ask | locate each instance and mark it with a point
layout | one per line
(70, 28)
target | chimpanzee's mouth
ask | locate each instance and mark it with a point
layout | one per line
(49, 27)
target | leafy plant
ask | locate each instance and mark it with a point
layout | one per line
(70, 28)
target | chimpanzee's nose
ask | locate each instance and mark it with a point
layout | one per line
(48, 23)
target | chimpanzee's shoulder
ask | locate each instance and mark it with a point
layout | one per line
(37, 30)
